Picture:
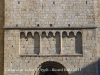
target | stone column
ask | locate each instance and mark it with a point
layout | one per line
(61, 43)
(40, 52)
(19, 42)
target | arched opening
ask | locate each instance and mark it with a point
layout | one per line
(36, 43)
(50, 35)
(22, 35)
(44, 43)
(78, 45)
(50, 73)
(64, 34)
(71, 40)
(43, 34)
(71, 35)
(57, 45)
(51, 44)
(65, 43)
(26, 43)
(29, 35)
(52, 68)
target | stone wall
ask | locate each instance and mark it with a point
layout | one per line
(13, 59)
(76, 50)
(1, 36)
(97, 23)
(43, 13)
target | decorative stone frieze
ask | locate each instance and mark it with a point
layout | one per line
(50, 42)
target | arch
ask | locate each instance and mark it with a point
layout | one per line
(79, 32)
(78, 43)
(38, 65)
(29, 35)
(65, 42)
(44, 34)
(50, 34)
(36, 32)
(51, 48)
(57, 38)
(36, 43)
(71, 43)
(64, 34)
(44, 43)
(22, 35)
(51, 66)
(57, 32)
(71, 34)
(22, 42)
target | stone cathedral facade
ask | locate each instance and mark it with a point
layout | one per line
(50, 37)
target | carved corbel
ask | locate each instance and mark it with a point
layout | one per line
(53, 33)
(47, 32)
(33, 33)
(26, 32)
(68, 32)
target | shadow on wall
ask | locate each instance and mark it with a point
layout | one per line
(1, 37)
(99, 66)
(91, 69)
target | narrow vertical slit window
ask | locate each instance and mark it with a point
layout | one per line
(78, 47)
(36, 43)
(57, 38)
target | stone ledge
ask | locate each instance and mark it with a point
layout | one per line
(40, 28)
(41, 55)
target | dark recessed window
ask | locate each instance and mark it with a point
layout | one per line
(68, 25)
(37, 25)
(50, 25)
(18, 2)
(86, 2)
(53, 2)
(16, 25)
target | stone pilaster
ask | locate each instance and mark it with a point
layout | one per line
(40, 43)
(61, 43)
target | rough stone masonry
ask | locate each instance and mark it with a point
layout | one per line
(51, 34)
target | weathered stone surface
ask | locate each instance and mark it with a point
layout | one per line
(48, 47)
(33, 48)
(58, 13)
